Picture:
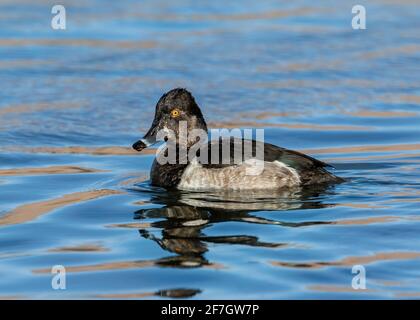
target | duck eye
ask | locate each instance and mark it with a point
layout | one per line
(175, 113)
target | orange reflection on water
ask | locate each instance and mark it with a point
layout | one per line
(350, 261)
(32, 211)
(46, 170)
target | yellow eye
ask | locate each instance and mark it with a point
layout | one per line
(175, 113)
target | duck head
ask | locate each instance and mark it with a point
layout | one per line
(172, 108)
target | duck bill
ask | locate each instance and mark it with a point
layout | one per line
(148, 140)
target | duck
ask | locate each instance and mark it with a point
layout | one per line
(268, 168)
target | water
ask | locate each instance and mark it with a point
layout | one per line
(72, 192)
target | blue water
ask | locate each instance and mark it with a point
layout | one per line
(72, 193)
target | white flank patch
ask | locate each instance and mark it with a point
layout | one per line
(188, 175)
(292, 171)
(195, 223)
(246, 176)
(254, 167)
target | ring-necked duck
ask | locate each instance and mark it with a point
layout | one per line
(282, 168)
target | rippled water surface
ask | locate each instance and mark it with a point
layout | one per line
(73, 193)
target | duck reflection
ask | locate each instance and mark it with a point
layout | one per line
(185, 216)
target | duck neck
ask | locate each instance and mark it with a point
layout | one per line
(192, 133)
(188, 146)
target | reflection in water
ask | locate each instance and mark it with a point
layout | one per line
(169, 293)
(334, 289)
(110, 150)
(186, 215)
(366, 149)
(46, 170)
(229, 201)
(254, 124)
(351, 261)
(32, 211)
(78, 42)
(81, 248)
